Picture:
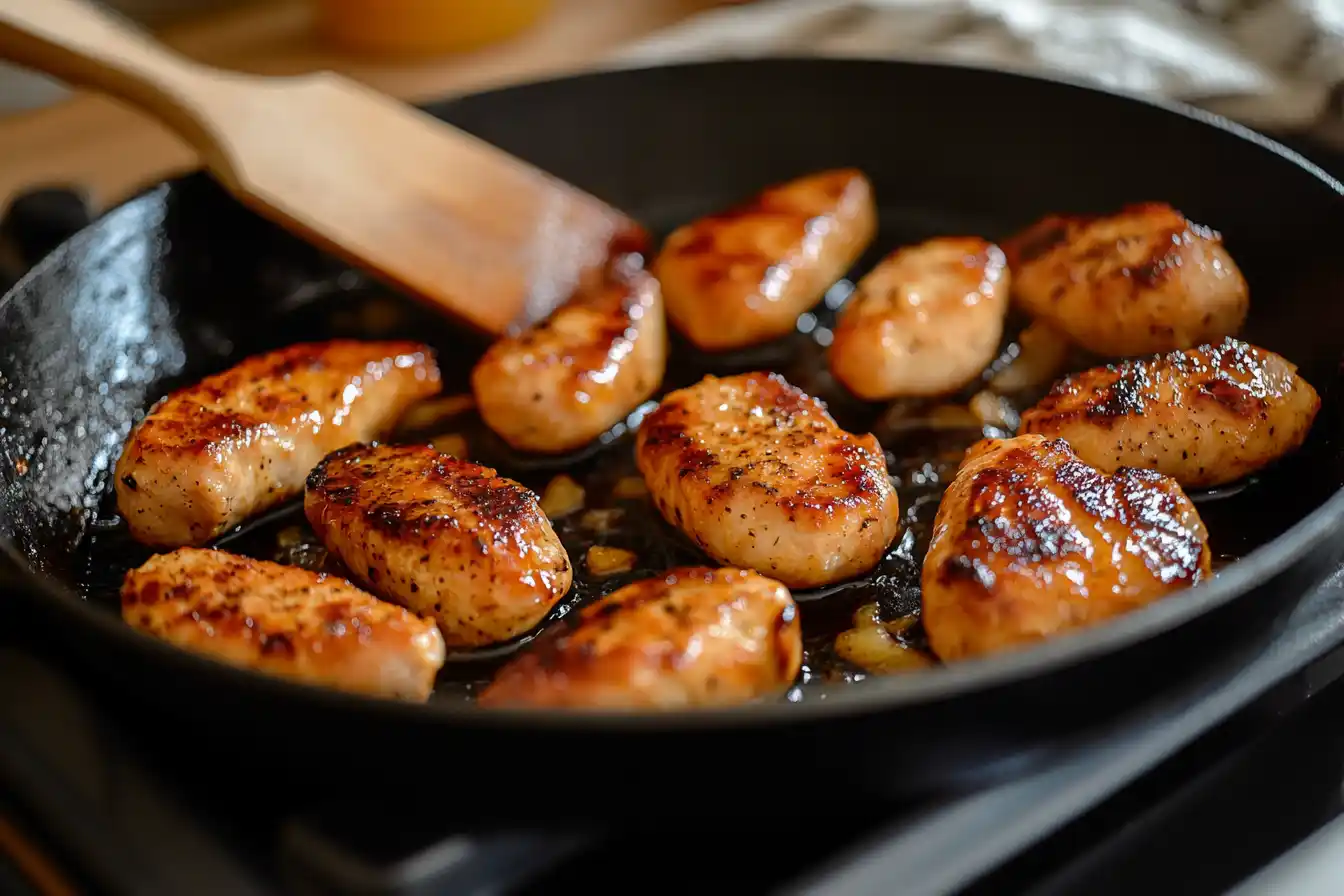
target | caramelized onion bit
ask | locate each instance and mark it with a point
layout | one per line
(291, 536)
(601, 521)
(630, 487)
(605, 561)
(995, 413)
(562, 497)
(1042, 355)
(298, 546)
(904, 418)
(872, 644)
(435, 411)
(452, 444)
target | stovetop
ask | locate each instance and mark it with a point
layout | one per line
(1231, 779)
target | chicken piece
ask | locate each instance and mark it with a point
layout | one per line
(1030, 542)
(1140, 281)
(742, 276)
(211, 455)
(573, 376)
(758, 474)
(448, 538)
(691, 637)
(283, 621)
(1204, 417)
(924, 322)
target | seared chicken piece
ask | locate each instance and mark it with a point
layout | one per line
(283, 621)
(571, 377)
(448, 538)
(691, 637)
(211, 455)
(1140, 281)
(758, 474)
(743, 276)
(926, 321)
(1030, 542)
(1204, 417)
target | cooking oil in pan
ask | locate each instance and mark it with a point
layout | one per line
(614, 535)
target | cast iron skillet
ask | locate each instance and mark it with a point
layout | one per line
(181, 281)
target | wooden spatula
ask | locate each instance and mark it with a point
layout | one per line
(436, 211)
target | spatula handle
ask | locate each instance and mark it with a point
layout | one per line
(73, 41)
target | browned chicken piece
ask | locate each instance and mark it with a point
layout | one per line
(1030, 542)
(1205, 417)
(283, 621)
(759, 475)
(448, 538)
(1143, 280)
(926, 321)
(211, 455)
(691, 637)
(742, 276)
(573, 376)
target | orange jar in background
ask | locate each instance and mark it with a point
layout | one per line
(423, 27)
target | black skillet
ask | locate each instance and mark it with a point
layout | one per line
(181, 281)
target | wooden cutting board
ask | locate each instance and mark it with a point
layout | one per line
(110, 151)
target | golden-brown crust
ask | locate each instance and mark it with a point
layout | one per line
(1142, 280)
(1030, 542)
(448, 538)
(568, 379)
(742, 276)
(1205, 417)
(691, 637)
(210, 455)
(759, 475)
(283, 621)
(926, 321)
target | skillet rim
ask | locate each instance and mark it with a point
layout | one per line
(876, 694)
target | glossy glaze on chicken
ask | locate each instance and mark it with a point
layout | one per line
(450, 539)
(1206, 417)
(742, 276)
(758, 474)
(310, 627)
(1031, 542)
(689, 637)
(543, 544)
(562, 383)
(925, 322)
(235, 444)
(1141, 280)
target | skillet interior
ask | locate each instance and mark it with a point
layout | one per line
(182, 281)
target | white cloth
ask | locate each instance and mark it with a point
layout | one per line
(1276, 65)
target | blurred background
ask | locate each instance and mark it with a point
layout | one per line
(1277, 65)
